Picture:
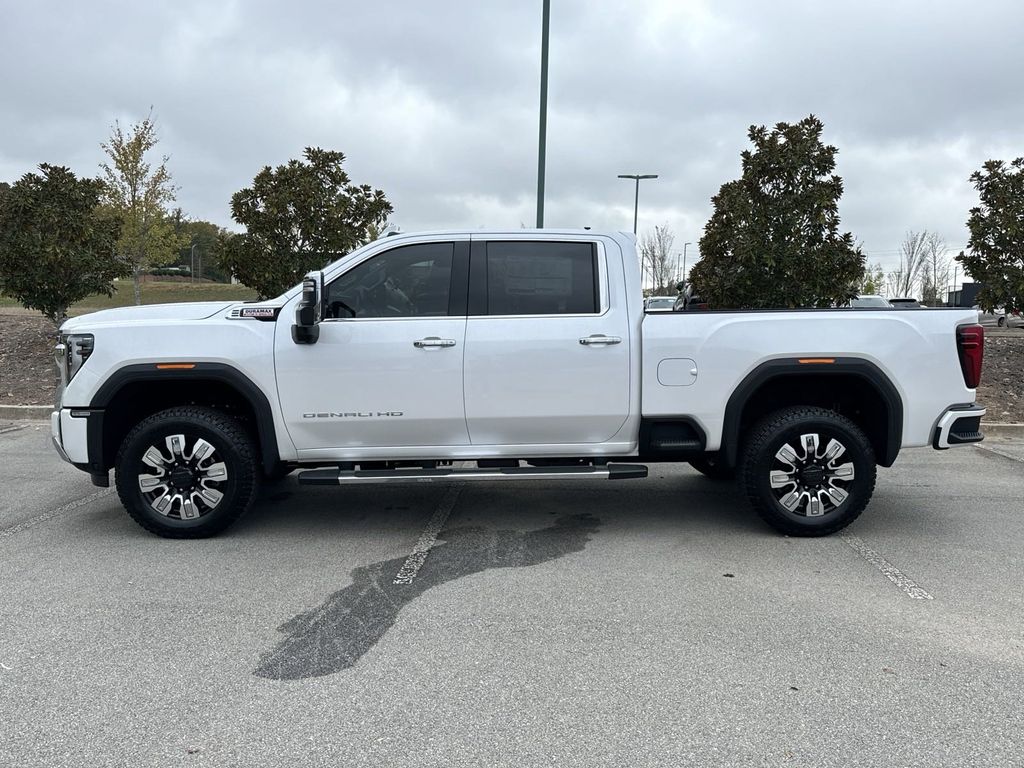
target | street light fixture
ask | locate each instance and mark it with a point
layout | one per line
(636, 198)
(683, 276)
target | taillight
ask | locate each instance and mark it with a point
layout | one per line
(970, 343)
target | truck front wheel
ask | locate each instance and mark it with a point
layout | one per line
(807, 471)
(187, 473)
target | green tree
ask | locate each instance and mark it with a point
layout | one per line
(873, 281)
(206, 237)
(773, 238)
(298, 217)
(57, 243)
(139, 194)
(995, 250)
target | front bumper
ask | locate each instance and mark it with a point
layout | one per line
(959, 425)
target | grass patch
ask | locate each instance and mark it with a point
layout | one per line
(156, 293)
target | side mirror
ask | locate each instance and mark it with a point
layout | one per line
(309, 312)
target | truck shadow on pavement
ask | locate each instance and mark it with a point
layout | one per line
(335, 635)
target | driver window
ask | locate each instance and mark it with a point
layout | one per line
(408, 281)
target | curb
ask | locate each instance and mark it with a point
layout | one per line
(1002, 430)
(26, 412)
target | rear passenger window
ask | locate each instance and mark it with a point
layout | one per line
(529, 278)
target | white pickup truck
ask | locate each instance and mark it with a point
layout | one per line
(506, 355)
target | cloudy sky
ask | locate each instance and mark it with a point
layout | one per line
(435, 101)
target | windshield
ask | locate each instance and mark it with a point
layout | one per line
(661, 302)
(869, 301)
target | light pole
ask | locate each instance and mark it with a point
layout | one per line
(636, 197)
(684, 261)
(542, 142)
(192, 278)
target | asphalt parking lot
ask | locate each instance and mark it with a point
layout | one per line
(569, 623)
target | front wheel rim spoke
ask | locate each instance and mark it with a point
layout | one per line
(787, 455)
(843, 472)
(176, 445)
(791, 500)
(218, 472)
(164, 502)
(151, 483)
(201, 450)
(814, 506)
(836, 495)
(154, 458)
(810, 446)
(780, 479)
(211, 496)
(833, 451)
(189, 511)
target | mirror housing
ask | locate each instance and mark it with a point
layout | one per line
(309, 312)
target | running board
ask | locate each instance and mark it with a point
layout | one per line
(352, 477)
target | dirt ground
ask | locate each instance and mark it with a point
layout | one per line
(28, 375)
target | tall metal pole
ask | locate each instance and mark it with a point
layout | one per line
(542, 143)
(684, 259)
(192, 279)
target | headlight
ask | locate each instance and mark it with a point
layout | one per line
(70, 355)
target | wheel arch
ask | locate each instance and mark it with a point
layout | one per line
(855, 387)
(136, 391)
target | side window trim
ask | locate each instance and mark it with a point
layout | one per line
(477, 305)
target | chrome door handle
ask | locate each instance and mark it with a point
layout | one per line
(600, 338)
(433, 341)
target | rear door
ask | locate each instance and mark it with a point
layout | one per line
(547, 358)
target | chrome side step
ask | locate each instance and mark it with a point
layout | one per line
(353, 477)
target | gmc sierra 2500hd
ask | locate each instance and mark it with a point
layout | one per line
(525, 352)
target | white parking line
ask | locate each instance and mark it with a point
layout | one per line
(890, 571)
(996, 451)
(44, 516)
(419, 553)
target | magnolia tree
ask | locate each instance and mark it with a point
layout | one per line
(57, 243)
(298, 217)
(773, 239)
(995, 251)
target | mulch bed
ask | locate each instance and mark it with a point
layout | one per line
(28, 375)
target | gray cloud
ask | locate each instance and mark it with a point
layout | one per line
(436, 102)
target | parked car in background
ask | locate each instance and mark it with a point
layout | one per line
(869, 300)
(1000, 318)
(905, 303)
(660, 303)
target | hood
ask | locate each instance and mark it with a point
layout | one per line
(199, 310)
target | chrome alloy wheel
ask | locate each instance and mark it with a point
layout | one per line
(183, 483)
(811, 481)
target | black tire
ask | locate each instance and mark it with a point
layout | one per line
(230, 470)
(1001, 322)
(814, 515)
(280, 471)
(711, 467)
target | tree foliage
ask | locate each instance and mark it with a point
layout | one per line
(995, 250)
(57, 243)
(873, 281)
(773, 238)
(298, 217)
(140, 195)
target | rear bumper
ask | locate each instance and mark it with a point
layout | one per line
(959, 425)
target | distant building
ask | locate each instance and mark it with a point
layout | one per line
(967, 296)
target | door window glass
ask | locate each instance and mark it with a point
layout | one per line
(534, 278)
(409, 281)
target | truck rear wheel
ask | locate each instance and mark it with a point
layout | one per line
(807, 471)
(187, 473)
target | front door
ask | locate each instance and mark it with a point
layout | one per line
(387, 368)
(547, 344)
